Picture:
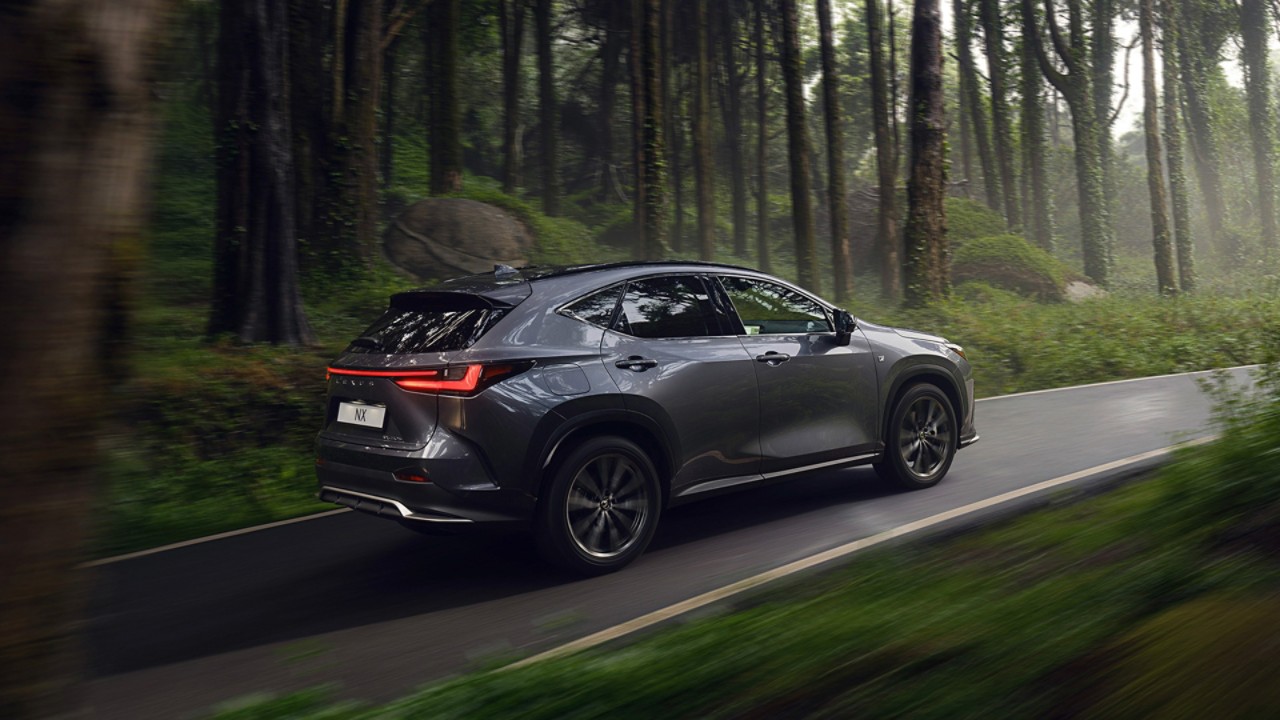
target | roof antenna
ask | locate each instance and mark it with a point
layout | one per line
(503, 271)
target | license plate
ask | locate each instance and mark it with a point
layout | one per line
(361, 414)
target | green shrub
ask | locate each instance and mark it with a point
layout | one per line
(969, 220)
(1012, 263)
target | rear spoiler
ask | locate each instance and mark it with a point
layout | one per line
(493, 298)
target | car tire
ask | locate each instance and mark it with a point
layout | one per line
(921, 438)
(600, 508)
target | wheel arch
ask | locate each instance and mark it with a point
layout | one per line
(917, 375)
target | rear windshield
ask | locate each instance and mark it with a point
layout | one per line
(425, 329)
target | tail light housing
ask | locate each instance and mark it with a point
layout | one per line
(463, 380)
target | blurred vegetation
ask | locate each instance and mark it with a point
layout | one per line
(1159, 599)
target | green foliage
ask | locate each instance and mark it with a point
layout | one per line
(1010, 262)
(558, 240)
(969, 219)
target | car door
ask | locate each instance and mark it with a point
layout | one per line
(817, 398)
(673, 359)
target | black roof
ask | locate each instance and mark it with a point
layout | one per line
(537, 272)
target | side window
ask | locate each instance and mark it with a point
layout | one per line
(666, 307)
(769, 309)
(596, 308)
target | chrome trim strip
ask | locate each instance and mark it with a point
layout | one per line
(818, 466)
(405, 512)
(966, 443)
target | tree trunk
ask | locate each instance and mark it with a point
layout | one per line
(255, 293)
(890, 246)
(703, 170)
(75, 142)
(611, 59)
(308, 99)
(1096, 238)
(1254, 22)
(928, 266)
(1178, 193)
(993, 38)
(387, 149)
(1196, 70)
(1166, 280)
(841, 252)
(548, 109)
(1101, 56)
(651, 183)
(732, 114)
(446, 131)
(973, 102)
(1039, 202)
(798, 149)
(762, 140)
(347, 228)
(511, 22)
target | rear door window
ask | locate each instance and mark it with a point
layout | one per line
(667, 307)
(427, 326)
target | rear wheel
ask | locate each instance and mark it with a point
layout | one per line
(601, 508)
(921, 440)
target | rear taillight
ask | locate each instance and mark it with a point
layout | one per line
(459, 380)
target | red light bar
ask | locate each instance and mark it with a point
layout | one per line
(458, 380)
(447, 381)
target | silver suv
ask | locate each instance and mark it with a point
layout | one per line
(579, 402)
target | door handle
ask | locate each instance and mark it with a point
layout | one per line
(636, 363)
(772, 358)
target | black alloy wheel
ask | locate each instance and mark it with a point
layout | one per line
(601, 507)
(921, 439)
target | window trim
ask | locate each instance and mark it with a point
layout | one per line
(613, 318)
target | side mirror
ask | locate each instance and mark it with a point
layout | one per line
(845, 325)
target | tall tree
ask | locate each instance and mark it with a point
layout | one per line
(993, 38)
(1075, 84)
(1166, 279)
(651, 183)
(798, 149)
(1199, 44)
(841, 252)
(703, 171)
(1178, 194)
(348, 209)
(75, 96)
(445, 132)
(548, 108)
(386, 151)
(1254, 23)
(616, 24)
(972, 95)
(1037, 200)
(1102, 50)
(255, 291)
(731, 111)
(673, 103)
(762, 139)
(886, 157)
(511, 26)
(308, 97)
(928, 261)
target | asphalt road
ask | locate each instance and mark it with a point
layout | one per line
(375, 611)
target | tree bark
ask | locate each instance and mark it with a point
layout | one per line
(973, 102)
(386, 150)
(673, 102)
(798, 149)
(548, 109)
(703, 170)
(762, 139)
(1101, 58)
(446, 130)
(255, 293)
(1254, 23)
(841, 252)
(1096, 236)
(1039, 202)
(1178, 193)
(511, 23)
(75, 143)
(309, 99)
(651, 183)
(928, 265)
(993, 39)
(731, 111)
(1166, 279)
(887, 240)
(1196, 68)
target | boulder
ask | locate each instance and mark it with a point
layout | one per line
(1011, 263)
(440, 238)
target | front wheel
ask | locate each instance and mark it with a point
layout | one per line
(921, 441)
(601, 508)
